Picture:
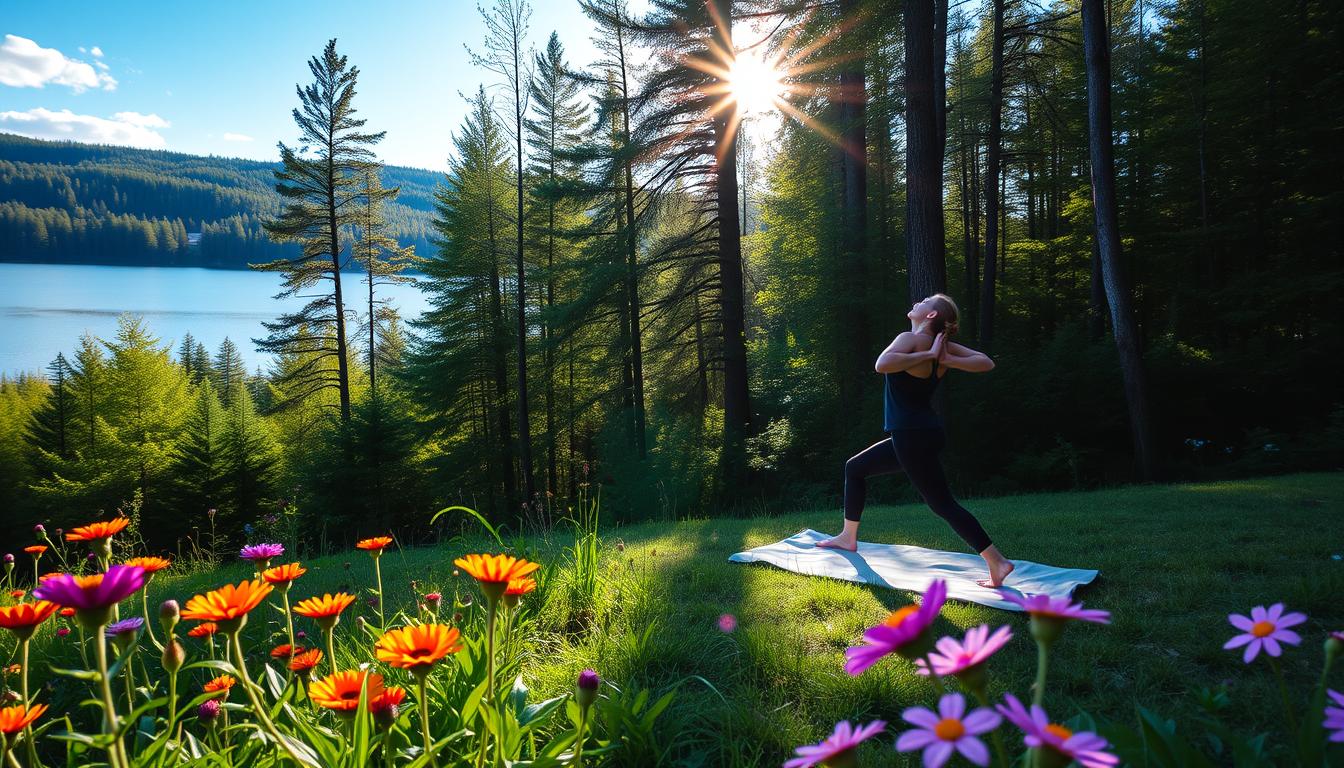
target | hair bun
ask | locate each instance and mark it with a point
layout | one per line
(950, 327)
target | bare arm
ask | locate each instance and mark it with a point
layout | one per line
(901, 354)
(964, 358)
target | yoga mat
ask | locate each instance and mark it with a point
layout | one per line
(900, 566)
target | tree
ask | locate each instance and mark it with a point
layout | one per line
(250, 457)
(923, 161)
(1097, 55)
(993, 153)
(228, 371)
(197, 470)
(383, 258)
(51, 431)
(321, 192)
(504, 56)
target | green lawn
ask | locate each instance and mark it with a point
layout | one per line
(1174, 561)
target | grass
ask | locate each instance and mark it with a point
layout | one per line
(1174, 561)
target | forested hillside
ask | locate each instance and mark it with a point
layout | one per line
(69, 203)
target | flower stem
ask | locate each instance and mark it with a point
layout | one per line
(172, 699)
(378, 575)
(424, 718)
(252, 697)
(1283, 695)
(27, 702)
(144, 607)
(126, 670)
(114, 750)
(933, 676)
(1042, 664)
(331, 648)
(579, 739)
(1001, 756)
(489, 697)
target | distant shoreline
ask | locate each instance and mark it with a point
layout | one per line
(154, 265)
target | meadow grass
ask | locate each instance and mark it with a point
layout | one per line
(1174, 561)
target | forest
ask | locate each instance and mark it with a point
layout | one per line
(1137, 206)
(70, 203)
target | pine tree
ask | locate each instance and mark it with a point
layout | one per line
(250, 457)
(198, 469)
(228, 371)
(383, 259)
(52, 429)
(322, 191)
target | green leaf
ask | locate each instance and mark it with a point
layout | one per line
(474, 514)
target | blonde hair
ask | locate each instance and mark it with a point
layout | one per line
(946, 321)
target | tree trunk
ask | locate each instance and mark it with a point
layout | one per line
(924, 194)
(524, 425)
(853, 156)
(632, 266)
(994, 152)
(1097, 55)
(342, 371)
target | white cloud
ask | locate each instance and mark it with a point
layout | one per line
(96, 51)
(25, 64)
(130, 129)
(236, 136)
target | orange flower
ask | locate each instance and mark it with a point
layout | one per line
(521, 586)
(328, 606)
(304, 662)
(17, 594)
(220, 685)
(228, 604)
(100, 530)
(13, 669)
(203, 630)
(418, 647)
(150, 564)
(23, 618)
(283, 575)
(67, 612)
(339, 691)
(16, 718)
(36, 550)
(286, 651)
(51, 575)
(495, 568)
(375, 545)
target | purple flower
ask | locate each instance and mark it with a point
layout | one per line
(208, 710)
(955, 658)
(947, 731)
(1334, 717)
(39, 529)
(1264, 629)
(1055, 607)
(261, 552)
(9, 558)
(92, 593)
(585, 691)
(727, 622)
(904, 632)
(589, 679)
(1039, 733)
(125, 626)
(845, 738)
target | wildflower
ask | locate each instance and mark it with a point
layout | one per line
(516, 589)
(283, 575)
(375, 545)
(966, 659)
(905, 632)
(1264, 629)
(325, 610)
(98, 531)
(16, 718)
(417, 648)
(286, 651)
(36, 551)
(494, 572)
(727, 622)
(208, 711)
(432, 600)
(839, 744)
(301, 634)
(585, 690)
(205, 629)
(62, 631)
(17, 594)
(220, 685)
(67, 612)
(150, 564)
(387, 707)
(40, 530)
(1334, 717)
(304, 662)
(1048, 739)
(229, 605)
(124, 632)
(13, 669)
(1049, 615)
(339, 691)
(93, 597)
(24, 618)
(947, 731)
(261, 554)
(169, 613)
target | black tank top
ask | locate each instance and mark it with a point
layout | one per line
(907, 401)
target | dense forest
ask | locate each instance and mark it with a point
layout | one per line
(69, 203)
(1137, 205)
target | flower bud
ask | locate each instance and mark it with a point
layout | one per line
(432, 599)
(169, 613)
(457, 617)
(40, 531)
(62, 631)
(11, 696)
(173, 655)
(585, 691)
(208, 712)
(1334, 644)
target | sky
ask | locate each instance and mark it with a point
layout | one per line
(219, 78)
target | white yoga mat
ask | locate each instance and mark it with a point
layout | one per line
(900, 566)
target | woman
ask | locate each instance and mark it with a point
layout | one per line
(912, 365)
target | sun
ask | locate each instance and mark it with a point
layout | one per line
(755, 83)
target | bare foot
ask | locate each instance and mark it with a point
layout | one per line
(997, 573)
(840, 542)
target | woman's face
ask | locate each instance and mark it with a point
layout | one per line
(920, 311)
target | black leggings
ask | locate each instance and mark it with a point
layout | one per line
(915, 451)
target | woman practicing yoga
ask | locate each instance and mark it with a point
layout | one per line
(912, 366)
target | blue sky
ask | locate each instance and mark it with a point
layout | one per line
(219, 78)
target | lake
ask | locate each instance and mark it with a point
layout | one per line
(44, 308)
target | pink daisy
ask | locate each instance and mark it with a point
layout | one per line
(1039, 733)
(948, 730)
(727, 622)
(956, 658)
(904, 632)
(1334, 717)
(1264, 629)
(845, 738)
(1055, 607)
